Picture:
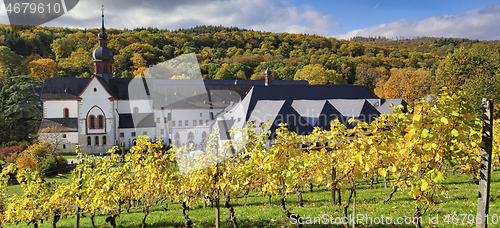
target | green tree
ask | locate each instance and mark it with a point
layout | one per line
(78, 63)
(367, 76)
(224, 72)
(20, 107)
(317, 75)
(475, 70)
(8, 61)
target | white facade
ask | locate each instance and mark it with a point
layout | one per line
(190, 126)
(134, 106)
(55, 108)
(98, 118)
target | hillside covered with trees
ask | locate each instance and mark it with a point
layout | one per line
(392, 68)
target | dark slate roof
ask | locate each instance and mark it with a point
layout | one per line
(136, 120)
(69, 88)
(65, 124)
(217, 99)
(358, 109)
(166, 95)
(163, 91)
(120, 87)
(317, 92)
(235, 82)
(220, 93)
(318, 113)
(278, 112)
(63, 88)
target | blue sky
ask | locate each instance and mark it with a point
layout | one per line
(342, 19)
(359, 14)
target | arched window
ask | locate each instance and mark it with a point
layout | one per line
(92, 122)
(66, 113)
(89, 141)
(98, 68)
(177, 136)
(100, 121)
(110, 69)
(136, 110)
(204, 136)
(190, 136)
(104, 140)
(64, 146)
(97, 141)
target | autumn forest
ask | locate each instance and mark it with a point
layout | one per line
(392, 68)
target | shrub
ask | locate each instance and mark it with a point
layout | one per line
(11, 143)
(53, 162)
(8, 151)
(25, 161)
(12, 158)
(40, 150)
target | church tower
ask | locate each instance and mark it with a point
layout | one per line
(103, 57)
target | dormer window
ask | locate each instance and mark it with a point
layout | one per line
(66, 113)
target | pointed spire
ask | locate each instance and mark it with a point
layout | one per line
(102, 15)
(102, 34)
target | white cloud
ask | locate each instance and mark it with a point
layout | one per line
(479, 24)
(262, 15)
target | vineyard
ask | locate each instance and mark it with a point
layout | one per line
(413, 152)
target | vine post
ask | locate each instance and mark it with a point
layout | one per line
(485, 166)
(217, 203)
(77, 210)
(354, 204)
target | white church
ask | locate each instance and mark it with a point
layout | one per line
(103, 111)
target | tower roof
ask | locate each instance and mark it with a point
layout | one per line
(102, 34)
(102, 54)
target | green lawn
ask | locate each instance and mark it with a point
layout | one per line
(69, 156)
(460, 199)
(16, 188)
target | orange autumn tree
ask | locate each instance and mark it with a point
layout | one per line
(42, 68)
(409, 84)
